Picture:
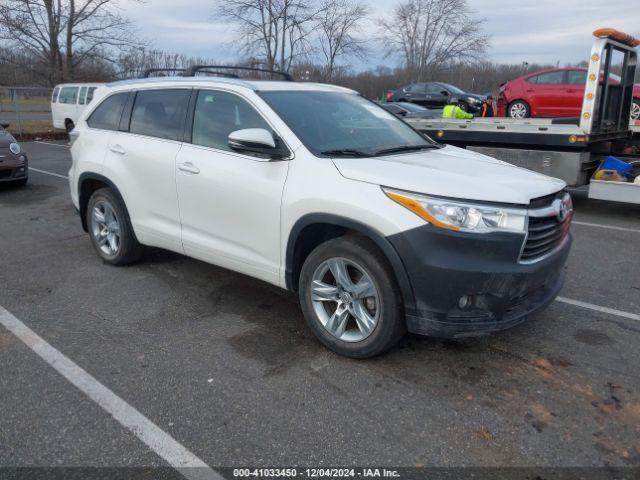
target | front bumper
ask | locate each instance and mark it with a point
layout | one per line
(445, 266)
(11, 168)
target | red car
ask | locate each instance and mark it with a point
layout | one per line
(550, 93)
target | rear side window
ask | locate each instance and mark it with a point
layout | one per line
(417, 88)
(83, 93)
(54, 95)
(577, 77)
(68, 95)
(107, 115)
(90, 94)
(160, 113)
(217, 114)
(550, 78)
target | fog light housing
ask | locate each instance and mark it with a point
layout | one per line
(22, 159)
(465, 302)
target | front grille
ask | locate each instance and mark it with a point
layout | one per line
(548, 227)
(5, 173)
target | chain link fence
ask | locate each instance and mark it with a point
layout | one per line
(27, 110)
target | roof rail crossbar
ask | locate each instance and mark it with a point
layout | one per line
(149, 71)
(192, 71)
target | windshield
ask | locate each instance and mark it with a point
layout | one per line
(453, 89)
(343, 124)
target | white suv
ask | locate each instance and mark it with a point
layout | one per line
(318, 190)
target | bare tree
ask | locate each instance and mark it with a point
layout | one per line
(276, 31)
(65, 33)
(338, 25)
(429, 34)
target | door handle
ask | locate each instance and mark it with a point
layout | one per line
(188, 167)
(117, 149)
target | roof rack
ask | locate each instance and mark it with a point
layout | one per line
(149, 71)
(192, 71)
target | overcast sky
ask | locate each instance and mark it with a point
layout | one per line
(542, 31)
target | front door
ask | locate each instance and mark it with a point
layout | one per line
(229, 202)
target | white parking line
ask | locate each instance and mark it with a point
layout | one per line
(609, 227)
(598, 308)
(149, 433)
(54, 144)
(48, 173)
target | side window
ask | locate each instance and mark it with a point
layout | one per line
(417, 88)
(393, 108)
(533, 79)
(577, 77)
(107, 115)
(90, 94)
(217, 114)
(551, 78)
(68, 95)
(160, 113)
(54, 95)
(83, 93)
(435, 88)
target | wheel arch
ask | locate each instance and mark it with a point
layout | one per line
(313, 229)
(89, 182)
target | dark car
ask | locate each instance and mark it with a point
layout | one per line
(13, 161)
(435, 95)
(411, 110)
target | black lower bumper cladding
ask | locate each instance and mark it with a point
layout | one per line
(472, 284)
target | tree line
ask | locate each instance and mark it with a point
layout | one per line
(45, 42)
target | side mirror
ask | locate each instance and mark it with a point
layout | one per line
(5, 124)
(444, 92)
(254, 140)
(402, 113)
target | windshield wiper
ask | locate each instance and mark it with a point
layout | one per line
(346, 152)
(404, 148)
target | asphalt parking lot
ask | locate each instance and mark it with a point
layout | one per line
(225, 366)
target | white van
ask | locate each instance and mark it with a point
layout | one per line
(68, 101)
(318, 190)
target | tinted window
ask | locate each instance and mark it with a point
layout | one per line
(68, 95)
(160, 113)
(393, 108)
(83, 93)
(417, 88)
(435, 88)
(54, 95)
(550, 78)
(90, 94)
(107, 115)
(217, 114)
(577, 77)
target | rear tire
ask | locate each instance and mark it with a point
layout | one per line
(635, 110)
(361, 315)
(110, 229)
(519, 109)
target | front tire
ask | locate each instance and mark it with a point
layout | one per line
(519, 109)
(350, 298)
(110, 229)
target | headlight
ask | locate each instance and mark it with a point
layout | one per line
(15, 148)
(473, 100)
(459, 216)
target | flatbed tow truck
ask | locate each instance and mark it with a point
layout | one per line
(571, 149)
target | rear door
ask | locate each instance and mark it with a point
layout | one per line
(546, 93)
(415, 93)
(141, 162)
(67, 106)
(575, 87)
(229, 201)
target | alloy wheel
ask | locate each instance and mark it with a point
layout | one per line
(635, 112)
(518, 110)
(345, 299)
(105, 228)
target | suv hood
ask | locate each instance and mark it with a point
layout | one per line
(451, 172)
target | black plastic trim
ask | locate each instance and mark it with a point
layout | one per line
(101, 178)
(379, 239)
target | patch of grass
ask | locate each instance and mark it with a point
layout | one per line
(31, 127)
